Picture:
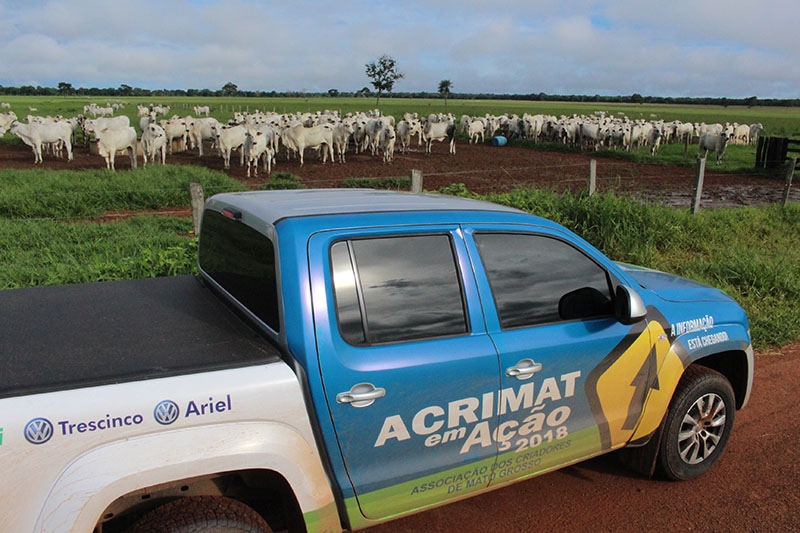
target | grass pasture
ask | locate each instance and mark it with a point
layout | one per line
(777, 121)
(51, 230)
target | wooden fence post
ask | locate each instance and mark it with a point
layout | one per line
(592, 176)
(416, 181)
(196, 194)
(788, 181)
(697, 192)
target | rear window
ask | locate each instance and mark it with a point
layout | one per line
(242, 261)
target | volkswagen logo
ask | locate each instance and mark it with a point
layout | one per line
(166, 412)
(38, 431)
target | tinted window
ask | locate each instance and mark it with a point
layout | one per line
(538, 280)
(397, 289)
(242, 261)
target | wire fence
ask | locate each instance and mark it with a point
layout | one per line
(672, 186)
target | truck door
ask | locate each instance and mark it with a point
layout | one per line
(408, 369)
(574, 379)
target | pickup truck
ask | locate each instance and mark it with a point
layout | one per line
(346, 357)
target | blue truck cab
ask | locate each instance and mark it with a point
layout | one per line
(446, 346)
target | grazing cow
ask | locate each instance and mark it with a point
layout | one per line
(37, 134)
(154, 141)
(110, 141)
(712, 142)
(439, 131)
(298, 138)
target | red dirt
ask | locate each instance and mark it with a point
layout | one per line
(755, 485)
(481, 168)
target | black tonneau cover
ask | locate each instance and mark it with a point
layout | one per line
(71, 336)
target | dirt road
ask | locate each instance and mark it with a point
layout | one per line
(754, 487)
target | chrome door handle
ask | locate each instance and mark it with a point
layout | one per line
(524, 369)
(361, 395)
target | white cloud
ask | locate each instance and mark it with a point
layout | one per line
(720, 48)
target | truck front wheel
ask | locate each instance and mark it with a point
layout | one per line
(202, 514)
(698, 424)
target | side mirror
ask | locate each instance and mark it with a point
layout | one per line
(629, 307)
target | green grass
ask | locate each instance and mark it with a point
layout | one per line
(90, 193)
(52, 252)
(777, 121)
(753, 254)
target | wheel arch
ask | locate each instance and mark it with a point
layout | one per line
(737, 367)
(99, 485)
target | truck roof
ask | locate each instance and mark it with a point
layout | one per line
(272, 206)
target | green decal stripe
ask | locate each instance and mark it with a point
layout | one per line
(323, 519)
(439, 488)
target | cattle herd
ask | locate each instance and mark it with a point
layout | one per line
(259, 136)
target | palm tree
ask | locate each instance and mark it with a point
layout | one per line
(444, 89)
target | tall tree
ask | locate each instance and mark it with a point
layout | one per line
(230, 89)
(65, 88)
(444, 89)
(383, 74)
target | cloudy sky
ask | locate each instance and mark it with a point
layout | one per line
(718, 48)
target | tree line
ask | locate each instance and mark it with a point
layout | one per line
(366, 92)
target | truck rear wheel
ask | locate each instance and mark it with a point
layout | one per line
(202, 514)
(698, 424)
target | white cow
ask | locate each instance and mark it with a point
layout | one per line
(203, 129)
(755, 129)
(712, 142)
(475, 129)
(110, 141)
(342, 131)
(298, 138)
(386, 141)
(92, 126)
(256, 146)
(201, 110)
(231, 138)
(439, 131)
(406, 129)
(654, 140)
(6, 119)
(38, 134)
(154, 142)
(175, 128)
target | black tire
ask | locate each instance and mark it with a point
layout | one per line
(206, 514)
(698, 424)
